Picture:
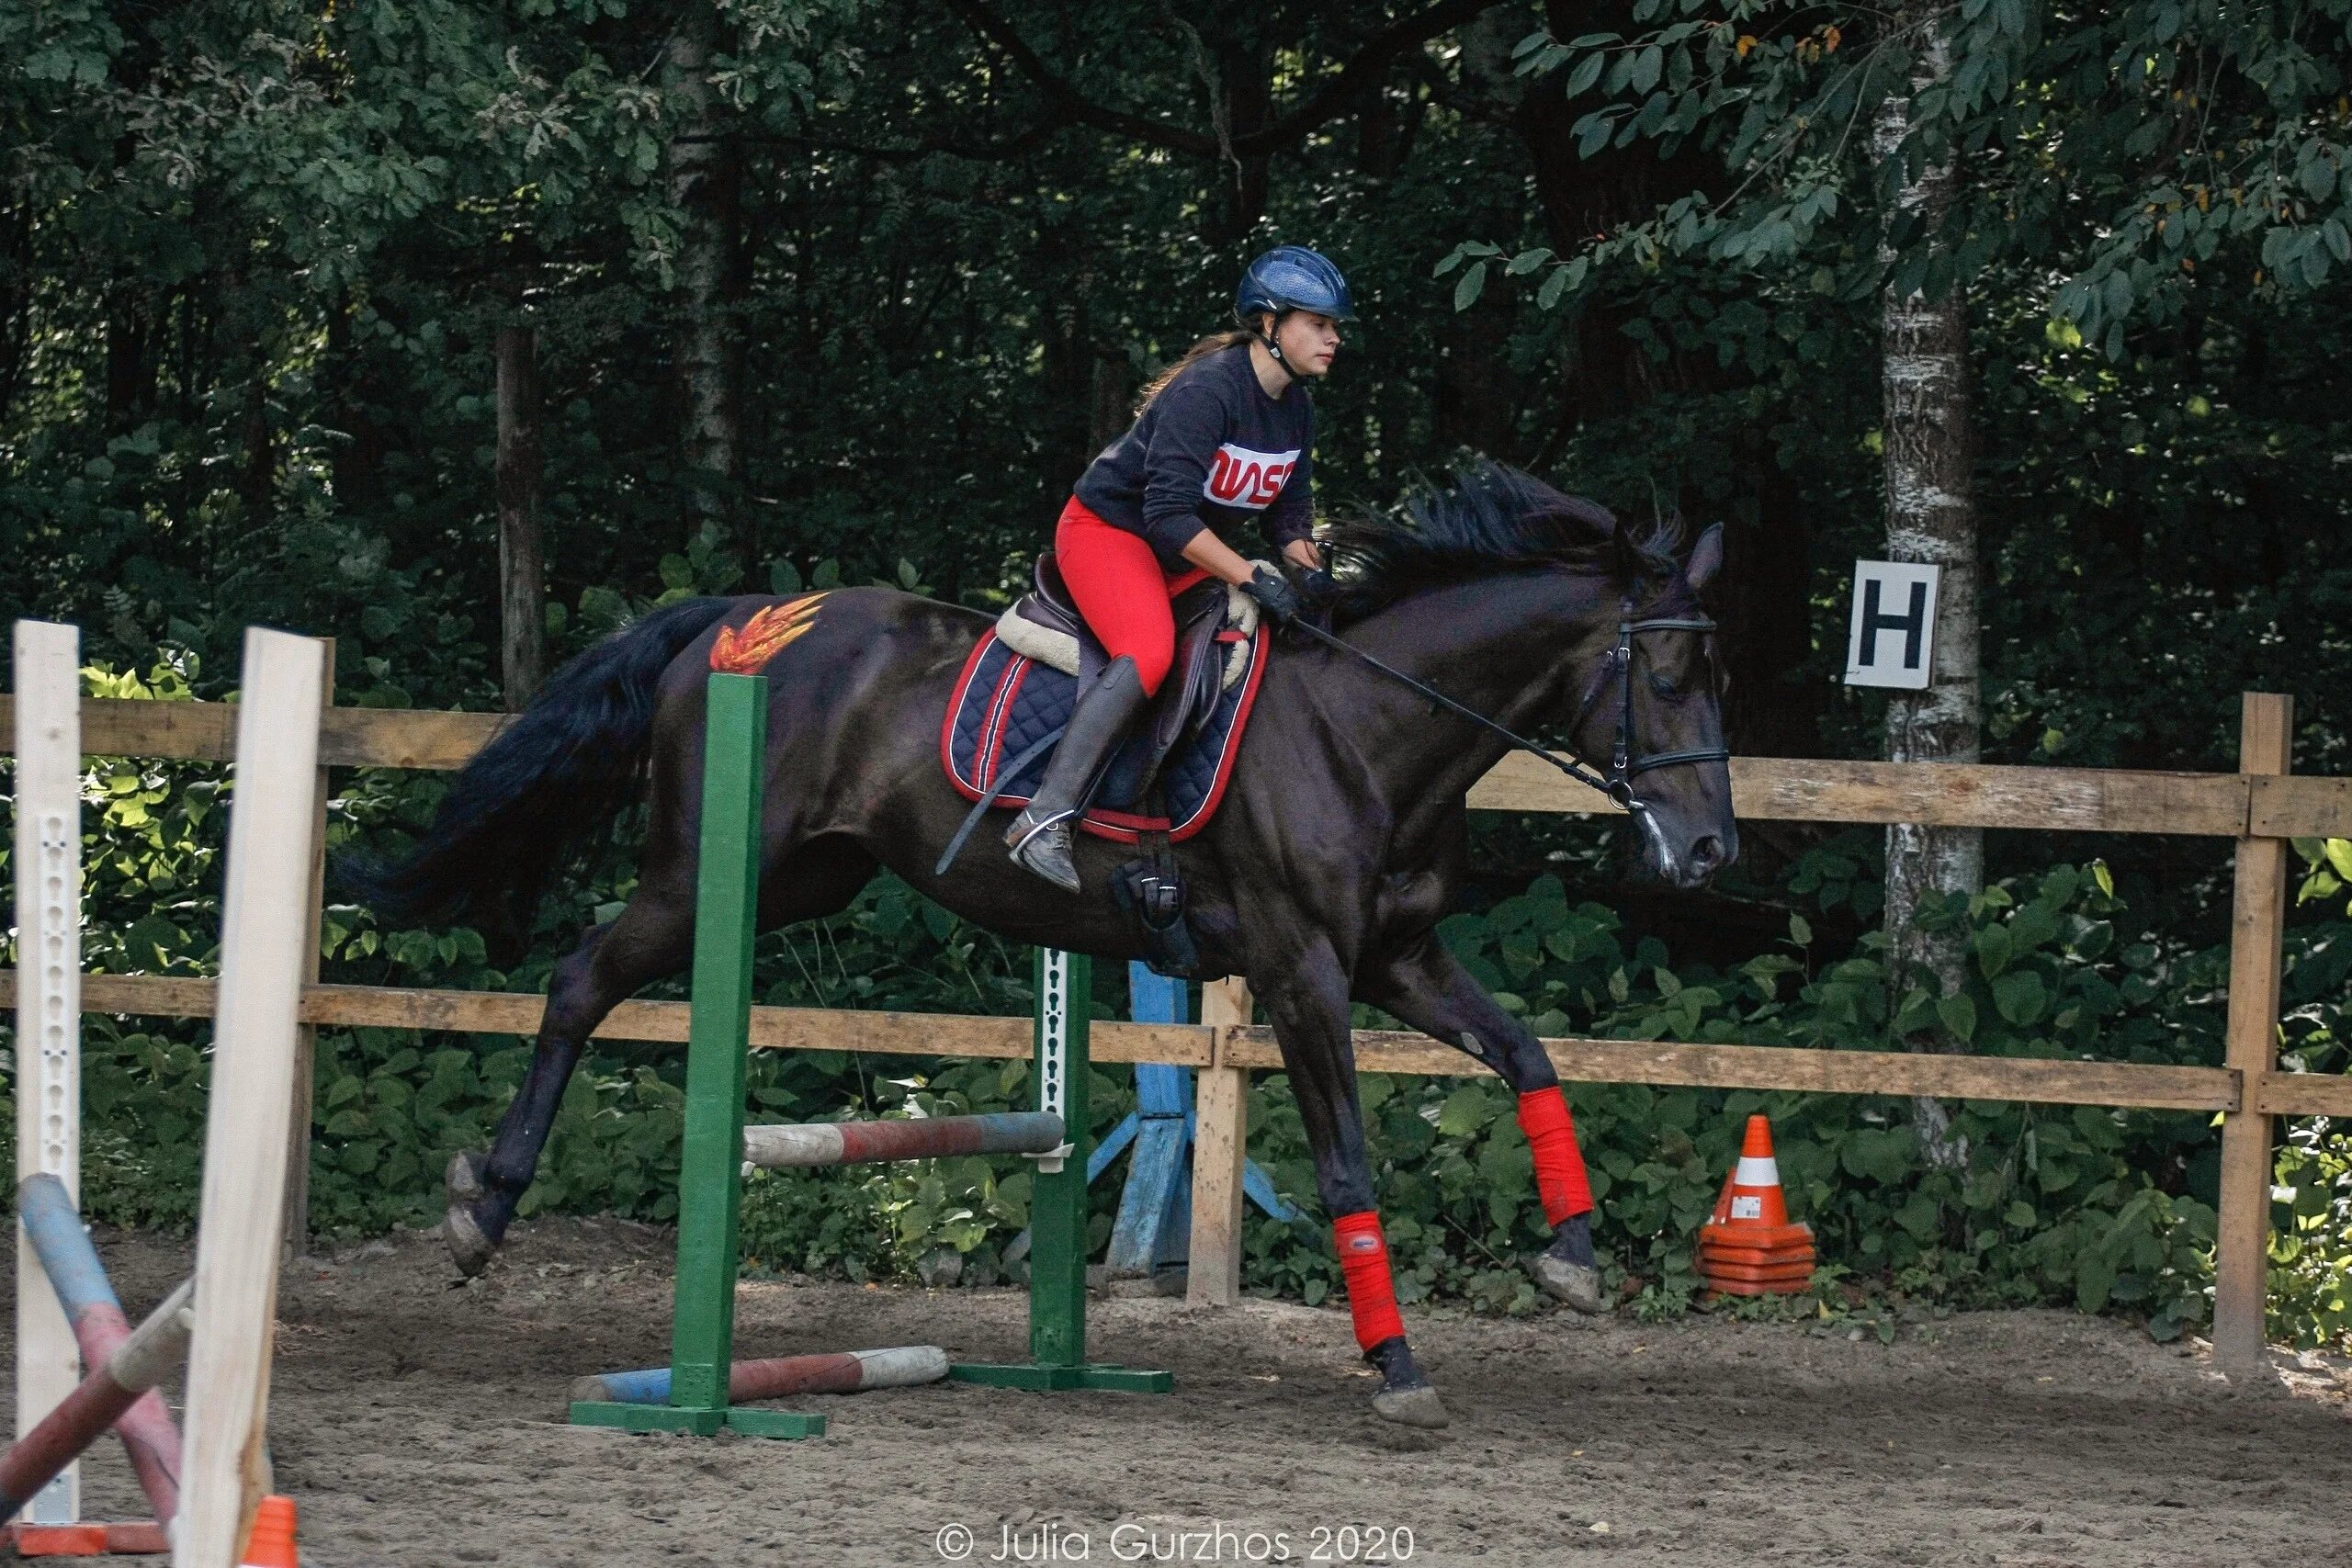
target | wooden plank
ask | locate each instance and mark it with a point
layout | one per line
(152, 996)
(772, 1029)
(2304, 1094)
(1972, 795)
(2258, 927)
(2039, 1081)
(265, 930)
(119, 726)
(1939, 794)
(406, 738)
(47, 733)
(350, 737)
(2289, 807)
(951, 1034)
(305, 1036)
(1521, 783)
(1220, 1156)
(1805, 1070)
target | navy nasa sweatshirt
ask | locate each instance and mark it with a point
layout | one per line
(1212, 450)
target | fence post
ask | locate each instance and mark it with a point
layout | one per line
(2258, 927)
(225, 1462)
(305, 1036)
(1220, 1154)
(49, 1012)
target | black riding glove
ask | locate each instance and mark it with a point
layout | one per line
(1276, 596)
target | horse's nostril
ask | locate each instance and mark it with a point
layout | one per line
(1707, 853)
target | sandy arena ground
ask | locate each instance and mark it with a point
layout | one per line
(419, 1424)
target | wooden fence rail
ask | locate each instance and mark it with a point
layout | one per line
(2257, 807)
(1947, 794)
(2045, 1081)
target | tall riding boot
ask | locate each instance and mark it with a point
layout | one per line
(1040, 835)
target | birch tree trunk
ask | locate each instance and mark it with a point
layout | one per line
(522, 554)
(706, 185)
(1931, 518)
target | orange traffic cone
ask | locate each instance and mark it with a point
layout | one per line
(273, 1542)
(1748, 1247)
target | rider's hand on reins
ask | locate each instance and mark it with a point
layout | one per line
(1274, 594)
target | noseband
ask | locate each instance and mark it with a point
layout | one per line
(1623, 767)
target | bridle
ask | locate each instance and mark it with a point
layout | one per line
(1625, 764)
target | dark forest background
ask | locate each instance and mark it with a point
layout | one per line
(830, 290)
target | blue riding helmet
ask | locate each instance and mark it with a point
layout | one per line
(1292, 277)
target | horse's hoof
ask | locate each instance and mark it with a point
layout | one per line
(468, 1248)
(1575, 1284)
(1410, 1407)
(463, 1182)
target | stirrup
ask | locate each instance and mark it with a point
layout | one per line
(1016, 838)
(1049, 840)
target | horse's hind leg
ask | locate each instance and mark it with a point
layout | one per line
(1423, 985)
(651, 939)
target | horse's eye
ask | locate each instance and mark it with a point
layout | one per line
(1662, 687)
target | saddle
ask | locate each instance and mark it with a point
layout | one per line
(1215, 628)
(1015, 697)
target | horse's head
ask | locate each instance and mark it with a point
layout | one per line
(1623, 631)
(1653, 709)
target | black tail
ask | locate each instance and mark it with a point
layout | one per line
(571, 762)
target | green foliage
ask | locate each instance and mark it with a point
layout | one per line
(2097, 1208)
(2328, 870)
(2121, 148)
(2311, 1264)
(245, 377)
(2104, 1209)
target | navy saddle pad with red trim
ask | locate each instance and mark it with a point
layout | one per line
(1004, 703)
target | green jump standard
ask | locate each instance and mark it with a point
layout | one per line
(1057, 1204)
(710, 1163)
(710, 1184)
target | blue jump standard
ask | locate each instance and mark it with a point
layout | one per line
(1154, 1220)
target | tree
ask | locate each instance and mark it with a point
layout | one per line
(2103, 166)
(521, 553)
(966, 231)
(1930, 516)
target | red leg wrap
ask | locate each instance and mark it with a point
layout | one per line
(1559, 1164)
(1371, 1292)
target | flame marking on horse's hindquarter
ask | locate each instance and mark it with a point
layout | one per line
(765, 634)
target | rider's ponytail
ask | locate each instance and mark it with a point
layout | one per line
(1215, 343)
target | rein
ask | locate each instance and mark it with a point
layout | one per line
(1624, 766)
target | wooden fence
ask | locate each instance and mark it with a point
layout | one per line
(2260, 808)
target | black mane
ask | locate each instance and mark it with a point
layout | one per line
(1492, 518)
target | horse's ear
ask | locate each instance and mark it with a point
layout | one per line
(1706, 559)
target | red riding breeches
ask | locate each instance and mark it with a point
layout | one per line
(1121, 590)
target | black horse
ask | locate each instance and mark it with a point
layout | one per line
(1338, 848)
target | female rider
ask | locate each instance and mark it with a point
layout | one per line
(1227, 433)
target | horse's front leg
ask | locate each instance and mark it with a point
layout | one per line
(1425, 985)
(1305, 990)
